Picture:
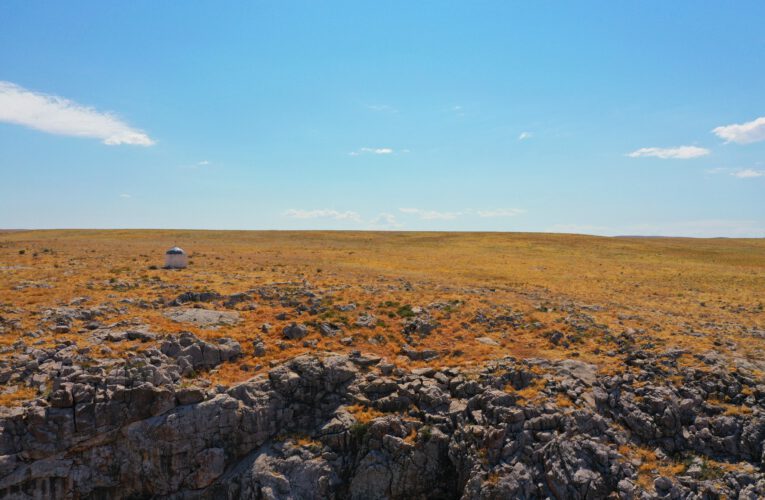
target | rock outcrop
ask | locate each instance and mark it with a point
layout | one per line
(204, 318)
(334, 426)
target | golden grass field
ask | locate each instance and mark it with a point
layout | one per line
(699, 295)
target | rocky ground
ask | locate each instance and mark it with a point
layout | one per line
(356, 426)
(258, 384)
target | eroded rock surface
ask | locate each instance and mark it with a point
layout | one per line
(332, 426)
(205, 318)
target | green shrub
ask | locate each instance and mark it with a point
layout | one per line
(405, 311)
(358, 431)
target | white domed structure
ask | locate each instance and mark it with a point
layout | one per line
(176, 258)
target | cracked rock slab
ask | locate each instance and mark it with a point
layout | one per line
(203, 318)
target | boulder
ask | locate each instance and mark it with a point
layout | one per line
(295, 331)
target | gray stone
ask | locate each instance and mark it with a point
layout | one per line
(487, 341)
(203, 318)
(295, 331)
(189, 395)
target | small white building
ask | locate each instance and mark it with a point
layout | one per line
(176, 258)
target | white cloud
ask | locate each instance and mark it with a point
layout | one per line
(323, 214)
(57, 115)
(436, 215)
(524, 135)
(385, 221)
(501, 212)
(378, 151)
(678, 153)
(578, 229)
(430, 214)
(374, 151)
(741, 173)
(743, 133)
(710, 228)
(747, 173)
(200, 165)
(125, 195)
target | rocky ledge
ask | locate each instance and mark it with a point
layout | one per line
(331, 426)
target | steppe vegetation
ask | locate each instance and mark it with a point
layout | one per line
(521, 291)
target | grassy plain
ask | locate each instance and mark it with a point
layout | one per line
(516, 289)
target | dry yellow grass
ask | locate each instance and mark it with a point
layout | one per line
(19, 395)
(527, 394)
(563, 401)
(672, 289)
(307, 442)
(411, 438)
(650, 466)
(364, 414)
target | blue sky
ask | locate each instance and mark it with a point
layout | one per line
(593, 117)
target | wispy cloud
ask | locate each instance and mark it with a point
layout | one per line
(125, 195)
(678, 153)
(382, 108)
(57, 115)
(199, 165)
(708, 228)
(578, 229)
(436, 215)
(385, 221)
(741, 173)
(743, 133)
(323, 214)
(374, 151)
(458, 110)
(430, 214)
(524, 135)
(501, 212)
(747, 173)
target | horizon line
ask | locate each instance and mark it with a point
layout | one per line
(646, 236)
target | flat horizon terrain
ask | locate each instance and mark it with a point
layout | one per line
(691, 294)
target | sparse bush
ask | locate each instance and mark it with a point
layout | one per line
(426, 432)
(405, 311)
(359, 430)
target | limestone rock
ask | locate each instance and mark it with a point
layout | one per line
(204, 318)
